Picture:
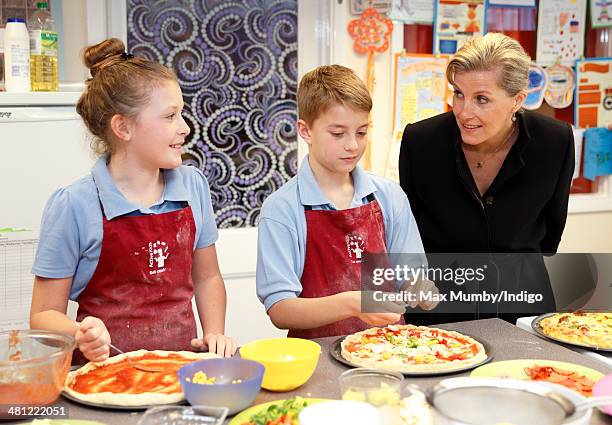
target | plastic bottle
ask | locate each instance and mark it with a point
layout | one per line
(43, 49)
(16, 56)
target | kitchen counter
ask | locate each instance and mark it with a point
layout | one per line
(507, 342)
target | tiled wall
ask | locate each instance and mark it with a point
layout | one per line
(236, 61)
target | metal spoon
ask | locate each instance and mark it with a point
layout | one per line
(135, 365)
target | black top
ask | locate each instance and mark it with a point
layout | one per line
(524, 209)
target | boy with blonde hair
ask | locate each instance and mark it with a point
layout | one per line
(315, 230)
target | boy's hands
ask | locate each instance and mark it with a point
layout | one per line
(92, 338)
(426, 294)
(216, 343)
(379, 319)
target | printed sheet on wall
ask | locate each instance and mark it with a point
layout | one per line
(561, 26)
(421, 92)
(457, 21)
(17, 252)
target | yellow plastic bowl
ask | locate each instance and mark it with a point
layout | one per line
(289, 362)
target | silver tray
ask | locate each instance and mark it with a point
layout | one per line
(535, 325)
(336, 352)
(118, 407)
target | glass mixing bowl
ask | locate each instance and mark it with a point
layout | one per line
(33, 366)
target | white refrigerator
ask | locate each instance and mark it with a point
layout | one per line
(43, 146)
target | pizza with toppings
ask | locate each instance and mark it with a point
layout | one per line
(115, 382)
(412, 349)
(592, 329)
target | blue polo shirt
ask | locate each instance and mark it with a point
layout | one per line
(282, 228)
(71, 229)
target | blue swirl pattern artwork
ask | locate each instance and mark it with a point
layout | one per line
(236, 61)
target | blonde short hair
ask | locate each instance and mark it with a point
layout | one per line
(330, 85)
(493, 51)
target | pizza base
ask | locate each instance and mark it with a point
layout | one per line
(590, 328)
(122, 399)
(398, 365)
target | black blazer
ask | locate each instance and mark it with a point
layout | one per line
(524, 209)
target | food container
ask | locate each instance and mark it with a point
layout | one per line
(289, 362)
(181, 415)
(482, 401)
(340, 412)
(236, 383)
(36, 375)
(376, 387)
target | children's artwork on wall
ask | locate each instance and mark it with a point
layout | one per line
(381, 6)
(420, 93)
(593, 93)
(513, 3)
(236, 62)
(420, 88)
(372, 34)
(537, 85)
(597, 152)
(561, 26)
(601, 13)
(559, 91)
(412, 11)
(456, 21)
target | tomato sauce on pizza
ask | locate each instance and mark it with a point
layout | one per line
(117, 382)
(121, 377)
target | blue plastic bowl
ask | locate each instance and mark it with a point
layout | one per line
(235, 397)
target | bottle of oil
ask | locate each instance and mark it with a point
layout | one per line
(43, 49)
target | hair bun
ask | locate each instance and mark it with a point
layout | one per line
(97, 56)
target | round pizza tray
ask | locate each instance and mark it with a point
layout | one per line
(535, 325)
(336, 352)
(116, 406)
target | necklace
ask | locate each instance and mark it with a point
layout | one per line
(480, 162)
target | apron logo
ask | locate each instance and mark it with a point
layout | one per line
(158, 253)
(354, 246)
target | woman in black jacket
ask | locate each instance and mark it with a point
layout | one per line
(489, 177)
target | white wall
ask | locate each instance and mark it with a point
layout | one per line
(590, 232)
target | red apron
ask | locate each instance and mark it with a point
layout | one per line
(336, 242)
(142, 288)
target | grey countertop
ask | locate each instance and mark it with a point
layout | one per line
(507, 342)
